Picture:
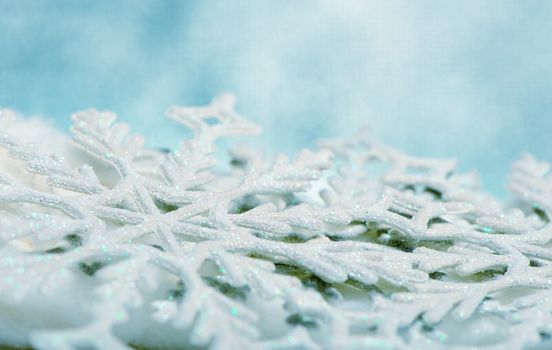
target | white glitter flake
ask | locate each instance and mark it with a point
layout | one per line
(138, 247)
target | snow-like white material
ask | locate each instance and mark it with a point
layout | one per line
(353, 246)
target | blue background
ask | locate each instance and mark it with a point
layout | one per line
(464, 79)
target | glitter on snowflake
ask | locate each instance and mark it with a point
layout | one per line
(111, 245)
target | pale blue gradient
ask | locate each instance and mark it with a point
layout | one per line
(464, 79)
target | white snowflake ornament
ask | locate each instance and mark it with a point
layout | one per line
(111, 245)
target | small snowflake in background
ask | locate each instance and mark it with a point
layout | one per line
(110, 245)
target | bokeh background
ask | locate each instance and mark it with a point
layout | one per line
(465, 79)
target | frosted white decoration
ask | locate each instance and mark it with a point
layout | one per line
(111, 245)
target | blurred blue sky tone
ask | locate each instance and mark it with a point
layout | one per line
(464, 79)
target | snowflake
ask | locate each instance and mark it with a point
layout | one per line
(353, 246)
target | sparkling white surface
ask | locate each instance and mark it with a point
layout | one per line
(109, 245)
